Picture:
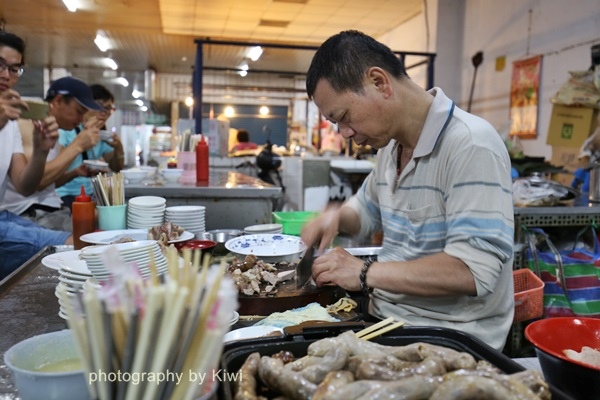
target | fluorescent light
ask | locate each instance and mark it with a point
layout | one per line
(102, 41)
(264, 110)
(243, 73)
(136, 94)
(255, 53)
(111, 63)
(139, 102)
(144, 108)
(122, 81)
(70, 4)
(244, 67)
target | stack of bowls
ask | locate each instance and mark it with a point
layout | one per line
(190, 218)
(263, 229)
(132, 252)
(144, 212)
(72, 279)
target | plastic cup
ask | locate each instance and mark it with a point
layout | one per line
(112, 218)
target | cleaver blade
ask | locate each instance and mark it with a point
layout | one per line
(304, 268)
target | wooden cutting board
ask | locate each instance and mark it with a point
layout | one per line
(288, 297)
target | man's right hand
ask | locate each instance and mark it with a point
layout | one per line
(87, 138)
(11, 106)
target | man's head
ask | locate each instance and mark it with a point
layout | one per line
(105, 99)
(243, 136)
(12, 50)
(344, 58)
(355, 82)
(70, 98)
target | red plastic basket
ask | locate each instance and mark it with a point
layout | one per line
(529, 295)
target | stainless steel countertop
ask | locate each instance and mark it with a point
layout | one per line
(222, 184)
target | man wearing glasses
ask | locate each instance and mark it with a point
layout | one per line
(109, 149)
(71, 100)
(19, 238)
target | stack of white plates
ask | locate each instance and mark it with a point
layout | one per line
(132, 252)
(72, 279)
(144, 212)
(263, 228)
(191, 218)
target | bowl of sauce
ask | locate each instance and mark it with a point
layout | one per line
(48, 366)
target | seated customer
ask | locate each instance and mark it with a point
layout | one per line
(45, 206)
(244, 142)
(20, 239)
(87, 120)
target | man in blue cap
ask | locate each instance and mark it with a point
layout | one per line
(70, 100)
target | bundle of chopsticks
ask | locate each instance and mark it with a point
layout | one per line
(109, 189)
(379, 328)
(157, 337)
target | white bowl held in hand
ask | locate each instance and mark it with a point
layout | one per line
(172, 175)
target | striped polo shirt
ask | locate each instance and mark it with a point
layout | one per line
(454, 196)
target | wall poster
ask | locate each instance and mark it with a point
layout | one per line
(524, 96)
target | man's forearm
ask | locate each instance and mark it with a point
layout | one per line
(56, 168)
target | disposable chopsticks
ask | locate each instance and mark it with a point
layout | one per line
(379, 328)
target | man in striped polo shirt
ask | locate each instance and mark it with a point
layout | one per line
(441, 193)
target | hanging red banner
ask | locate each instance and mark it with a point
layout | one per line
(524, 95)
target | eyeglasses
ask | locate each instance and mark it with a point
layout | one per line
(107, 108)
(15, 70)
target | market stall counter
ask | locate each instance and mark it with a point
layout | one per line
(232, 200)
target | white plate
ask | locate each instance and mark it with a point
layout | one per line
(184, 209)
(123, 248)
(250, 332)
(147, 201)
(268, 247)
(264, 228)
(68, 260)
(96, 164)
(107, 237)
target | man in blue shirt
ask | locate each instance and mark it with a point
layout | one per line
(82, 118)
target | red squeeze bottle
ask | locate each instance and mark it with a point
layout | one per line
(84, 217)
(202, 161)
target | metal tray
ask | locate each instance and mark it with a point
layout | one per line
(297, 340)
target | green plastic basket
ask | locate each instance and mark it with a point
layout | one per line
(293, 221)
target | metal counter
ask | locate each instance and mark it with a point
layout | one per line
(28, 307)
(232, 200)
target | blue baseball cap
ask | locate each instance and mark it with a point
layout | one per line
(76, 88)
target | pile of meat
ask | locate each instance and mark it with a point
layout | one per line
(345, 367)
(253, 276)
(165, 232)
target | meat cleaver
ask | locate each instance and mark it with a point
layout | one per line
(304, 268)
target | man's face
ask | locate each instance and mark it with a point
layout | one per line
(67, 111)
(10, 58)
(358, 116)
(108, 107)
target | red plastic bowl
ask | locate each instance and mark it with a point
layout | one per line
(193, 244)
(550, 337)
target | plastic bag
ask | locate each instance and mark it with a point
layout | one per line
(579, 90)
(537, 192)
